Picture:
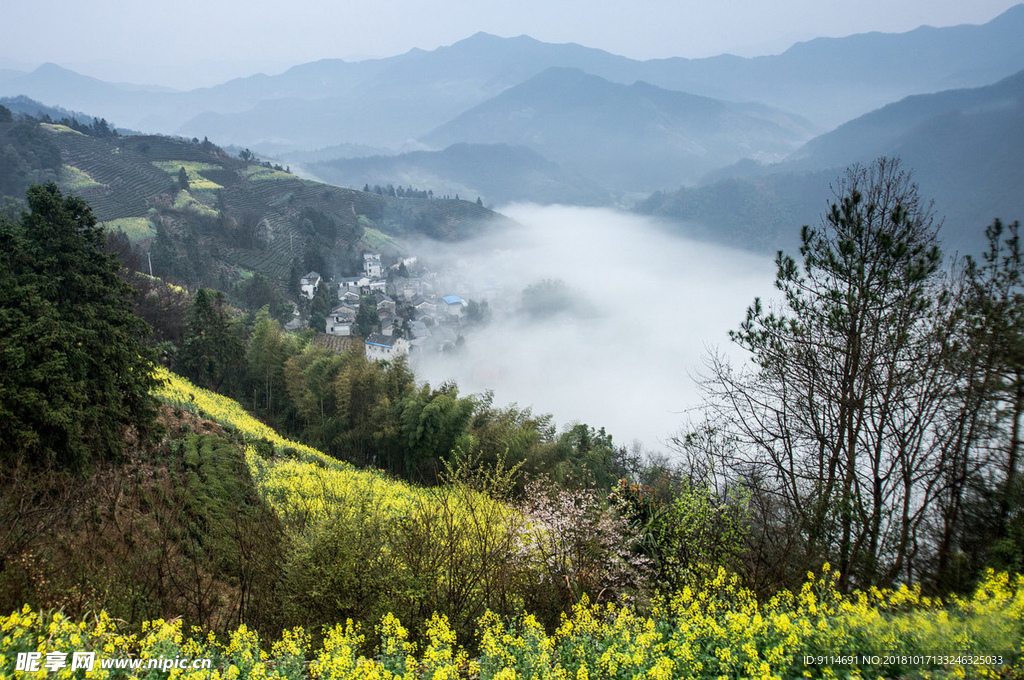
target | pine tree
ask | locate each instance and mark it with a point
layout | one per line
(836, 426)
(74, 374)
(366, 317)
(213, 347)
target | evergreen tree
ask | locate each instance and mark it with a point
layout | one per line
(74, 374)
(837, 425)
(318, 322)
(265, 359)
(164, 255)
(213, 347)
(295, 278)
(366, 317)
(322, 300)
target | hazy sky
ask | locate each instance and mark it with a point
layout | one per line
(185, 43)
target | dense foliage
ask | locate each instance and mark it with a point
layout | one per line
(877, 428)
(28, 156)
(74, 374)
(364, 545)
(881, 404)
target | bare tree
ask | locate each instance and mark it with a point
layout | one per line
(982, 489)
(837, 425)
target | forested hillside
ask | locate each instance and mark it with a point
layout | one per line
(435, 532)
(498, 173)
(207, 218)
(962, 146)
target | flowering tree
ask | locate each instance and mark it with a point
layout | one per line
(578, 547)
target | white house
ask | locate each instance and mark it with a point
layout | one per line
(353, 283)
(423, 305)
(308, 284)
(453, 305)
(385, 347)
(390, 324)
(340, 321)
(360, 284)
(371, 265)
(384, 302)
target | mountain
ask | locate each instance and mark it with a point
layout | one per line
(387, 102)
(23, 106)
(498, 173)
(963, 146)
(390, 102)
(631, 137)
(833, 80)
(207, 218)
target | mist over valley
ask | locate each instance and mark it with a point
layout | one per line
(550, 340)
(641, 308)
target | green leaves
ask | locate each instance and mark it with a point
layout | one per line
(73, 372)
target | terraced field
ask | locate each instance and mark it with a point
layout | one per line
(245, 213)
(194, 170)
(159, 148)
(73, 179)
(185, 200)
(125, 183)
(135, 228)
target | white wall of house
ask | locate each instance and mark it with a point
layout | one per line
(308, 286)
(371, 265)
(338, 327)
(381, 352)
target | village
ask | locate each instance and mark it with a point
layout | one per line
(404, 309)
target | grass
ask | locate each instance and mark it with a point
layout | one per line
(185, 201)
(135, 228)
(258, 173)
(54, 127)
(376, 240)
(73, 179)
(193, 169)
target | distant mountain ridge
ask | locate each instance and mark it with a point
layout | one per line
(964, 147)
(628, 137)
(387, 102)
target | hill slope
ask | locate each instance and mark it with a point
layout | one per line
(631, 137)
(234, 217)
(964, 147)
(499, 173)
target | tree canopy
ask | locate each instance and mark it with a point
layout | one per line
(833, 427)
(74, 374)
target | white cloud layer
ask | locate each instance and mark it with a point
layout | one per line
(656, 304)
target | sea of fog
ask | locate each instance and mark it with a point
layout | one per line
(648, 306)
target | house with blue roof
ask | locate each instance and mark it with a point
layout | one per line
(453, 305)
(380, 347)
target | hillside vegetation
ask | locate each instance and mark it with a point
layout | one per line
(719, 631)
(848, 500)
(498, 173)
(225, 217)
(962, 146)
